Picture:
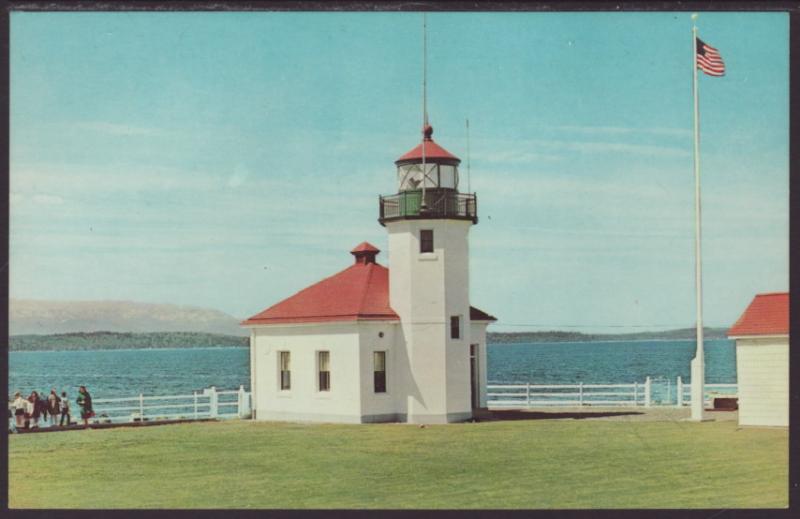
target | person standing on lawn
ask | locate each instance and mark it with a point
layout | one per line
(53, 407)
(84, 400)
(64, 409)
(12, 427)
(34, 409)
(20, 406)
(43, 409)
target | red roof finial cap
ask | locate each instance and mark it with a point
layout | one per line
(427, 131)
(365, 253)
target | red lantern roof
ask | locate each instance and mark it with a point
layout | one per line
(359, 292)
(433, 151)
(767, 314)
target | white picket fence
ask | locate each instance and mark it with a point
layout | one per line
(710, 391)
(636, 394)
(210, 403)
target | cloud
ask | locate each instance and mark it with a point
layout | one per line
(125, 130)
(625, 130)
(531, 151)
(517, 156)
(649, 150)
(239, 176)
(18, 199)
(47, 199)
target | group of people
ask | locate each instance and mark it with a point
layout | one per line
(54, 409)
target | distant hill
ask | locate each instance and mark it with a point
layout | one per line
(31, 316)
(118, 341)
(559, 336)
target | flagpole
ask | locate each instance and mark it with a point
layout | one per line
(698, 363)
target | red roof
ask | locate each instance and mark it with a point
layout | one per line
(365, 247)
(768, 314)
(359, 292)
(432, 150)
(476, 314)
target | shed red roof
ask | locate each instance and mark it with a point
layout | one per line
(432, 150)
(767, 314)
(359, 292)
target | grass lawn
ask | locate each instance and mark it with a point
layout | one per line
(512, 464)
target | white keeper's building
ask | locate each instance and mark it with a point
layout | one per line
(378, 344)
(762, 360)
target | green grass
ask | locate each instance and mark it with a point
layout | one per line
(519, 464)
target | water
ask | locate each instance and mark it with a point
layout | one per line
(607, 362)
(123, 373)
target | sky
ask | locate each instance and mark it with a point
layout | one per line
(228, 160)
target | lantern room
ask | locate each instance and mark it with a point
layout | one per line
(427, 185)
(440, 166)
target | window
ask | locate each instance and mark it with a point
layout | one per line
(426, 240)
(455, 327)
(286, 378)
(379, 377)
(324, 368)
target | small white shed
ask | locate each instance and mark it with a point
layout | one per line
(762, 360)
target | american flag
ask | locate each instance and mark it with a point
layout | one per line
(709, 59)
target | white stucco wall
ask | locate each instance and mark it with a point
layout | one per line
(426, 289)
(303, 401)
(762, 372)
(456, 279)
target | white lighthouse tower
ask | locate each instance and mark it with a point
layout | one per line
(428, 222)
(371, 344)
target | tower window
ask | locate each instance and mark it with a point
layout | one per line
(426, 240)
(324, 362)
(455, 327)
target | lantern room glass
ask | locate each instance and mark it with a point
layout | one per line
(410, 178)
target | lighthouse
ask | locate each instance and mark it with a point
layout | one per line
(377, 344)
(428, 222)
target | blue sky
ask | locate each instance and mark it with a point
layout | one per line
(228, 160)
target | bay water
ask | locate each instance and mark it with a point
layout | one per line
(124, 373)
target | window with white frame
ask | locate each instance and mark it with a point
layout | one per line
(285, 366)
(426, 240)
(324, 370)
(379, 371)
(455, 327)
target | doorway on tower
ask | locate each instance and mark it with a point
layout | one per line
(473, 377)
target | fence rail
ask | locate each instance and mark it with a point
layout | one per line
(644, 394)
(198, 405)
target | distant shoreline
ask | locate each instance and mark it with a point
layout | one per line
(88, 341)
(96, 341)
(561, 336)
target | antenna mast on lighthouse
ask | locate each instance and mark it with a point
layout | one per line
(423, 205)
(468, 165)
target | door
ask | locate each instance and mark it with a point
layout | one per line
(473, 376)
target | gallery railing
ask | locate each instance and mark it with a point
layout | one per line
(438, 204)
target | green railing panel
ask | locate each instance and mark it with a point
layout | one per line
(410, 203)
